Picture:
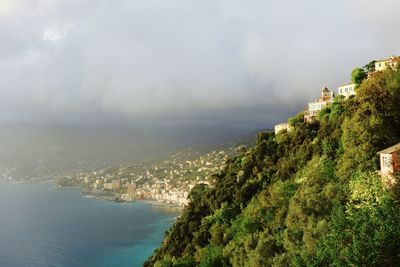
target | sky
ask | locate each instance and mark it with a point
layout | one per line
(182, 64)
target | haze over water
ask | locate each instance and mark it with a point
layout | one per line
(40, 226)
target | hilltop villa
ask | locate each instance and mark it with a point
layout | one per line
(315, 107)
(381, 65)
(390, 162)
(347, 90)
(283, 126)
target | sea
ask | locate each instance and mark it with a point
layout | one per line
(44, 226)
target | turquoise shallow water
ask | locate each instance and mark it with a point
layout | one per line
(41, 226)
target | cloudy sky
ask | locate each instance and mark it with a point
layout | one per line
(231, 63)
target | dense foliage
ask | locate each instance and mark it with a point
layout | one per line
(308, 197)
(358, 75)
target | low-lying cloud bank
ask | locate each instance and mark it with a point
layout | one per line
(180, 61)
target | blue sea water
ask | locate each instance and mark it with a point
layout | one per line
(42, 226)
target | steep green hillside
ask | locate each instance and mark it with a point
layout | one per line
(309, 197)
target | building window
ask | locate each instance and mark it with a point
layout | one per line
(387, 162)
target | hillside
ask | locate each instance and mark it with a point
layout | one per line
(53, 151)
(308, 197)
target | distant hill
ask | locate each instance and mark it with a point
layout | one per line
(45, 152)
(189, 164)
(42, 151)
(247, 139)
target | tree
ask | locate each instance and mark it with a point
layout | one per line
(296, 120)
(370, 67)
(358, 75)
(366, 231)
(187, 261)
(373, 126)
(212, 257)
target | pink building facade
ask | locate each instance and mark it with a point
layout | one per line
(390, 162)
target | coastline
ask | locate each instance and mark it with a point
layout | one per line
(107, 196)
(113, 198)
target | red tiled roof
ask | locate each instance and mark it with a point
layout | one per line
(394, 58)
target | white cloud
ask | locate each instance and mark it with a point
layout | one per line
(56, 33)
(7, 7)
(52, 34)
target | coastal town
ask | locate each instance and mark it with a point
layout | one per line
(168, 180)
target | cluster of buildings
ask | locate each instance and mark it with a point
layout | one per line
(390, 157)
(167, 180)
(162, 191)
(383, 64)
(313, 108)
(327, 96)
(5, 172)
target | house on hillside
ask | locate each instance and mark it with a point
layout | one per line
(107, 186)
(392, 62)
(347, 90)
(390, 162)
(313, 108)
(116, 184)
(283, 126)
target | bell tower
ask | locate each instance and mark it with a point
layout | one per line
(325, 92)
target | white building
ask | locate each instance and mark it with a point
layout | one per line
(383, 64)
(347, 90)
(283, 126)
(183, 201)
(315, 107)
(108, 186)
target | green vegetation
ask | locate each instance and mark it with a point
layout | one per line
(370, 67)
(308, 197)
(358, 75)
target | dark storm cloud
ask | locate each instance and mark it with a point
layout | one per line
(249, 63)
